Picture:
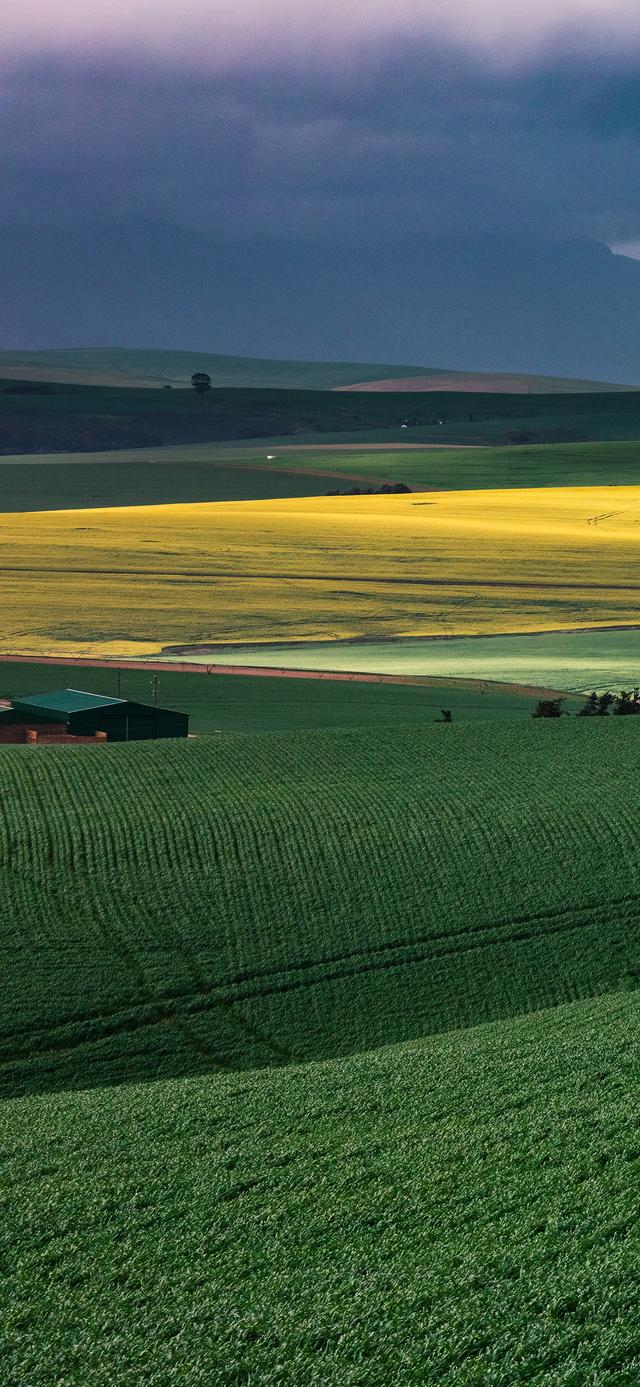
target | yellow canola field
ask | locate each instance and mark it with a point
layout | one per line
(137, 579)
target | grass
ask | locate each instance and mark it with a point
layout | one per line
(459, 1211)
(72, 417)
(237, 922)
(571, 660)
(263, 899)
(458, 469)
(232, 703)
(219, 472)
(136, 580)
(126, 366)
(117, 365)
(319, 1048)
(66, 484)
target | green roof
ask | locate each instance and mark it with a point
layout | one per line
(66, 701)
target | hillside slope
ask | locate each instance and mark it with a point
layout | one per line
(459, 1211)
(128, 366)
(140, 580)
(219, 472)
(41, 417)
(252, 901)
(482, 382)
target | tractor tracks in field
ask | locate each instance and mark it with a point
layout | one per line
(359, 579)
(177, 1008)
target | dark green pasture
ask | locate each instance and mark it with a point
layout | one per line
(232, 703)
(266, 471)
(60, 417)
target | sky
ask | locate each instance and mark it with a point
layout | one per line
(346, 123)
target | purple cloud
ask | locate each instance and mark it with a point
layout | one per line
(212, 35)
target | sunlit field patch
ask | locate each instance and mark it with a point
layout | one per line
(134, 579)
(577, 661)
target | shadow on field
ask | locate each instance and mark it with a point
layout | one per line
(193, 1034)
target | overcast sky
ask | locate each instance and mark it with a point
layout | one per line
(340, 122)
(346, 119)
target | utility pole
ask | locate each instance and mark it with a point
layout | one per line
(154, 685)
(118, 680)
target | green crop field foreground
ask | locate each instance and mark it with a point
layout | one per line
(320, 1059)
(459, 1212)
(302, 895)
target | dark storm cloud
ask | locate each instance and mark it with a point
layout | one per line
(412, 139)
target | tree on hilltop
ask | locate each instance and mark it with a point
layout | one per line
(201, 382)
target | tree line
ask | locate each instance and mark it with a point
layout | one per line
(597, 705)
(387, 489)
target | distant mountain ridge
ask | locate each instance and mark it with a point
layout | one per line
(127, 366)
(524, 305)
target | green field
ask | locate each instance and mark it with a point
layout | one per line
(218, 472)
(319, 1031)
(453, 469)
(68, 417)
(71, 485)
(126, 366)
(572, 660)
(457, 1212)
(118, 365)
(299, 896)
(237, 922)
(246, 703)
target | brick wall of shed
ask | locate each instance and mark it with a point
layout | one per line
(16, 732)
(46, 734)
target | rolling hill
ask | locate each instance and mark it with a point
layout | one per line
(456, 1211)
(122, 366)
(189, 578)
(45, 417)
(318, 1039)
(223, 472)
(483, 382)
(260, 900)
(125, 366)
(314, 1043)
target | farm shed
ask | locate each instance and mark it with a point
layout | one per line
(82, 714)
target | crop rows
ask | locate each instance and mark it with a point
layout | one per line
(460, 1211)
(136, 579)
(297, 896)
